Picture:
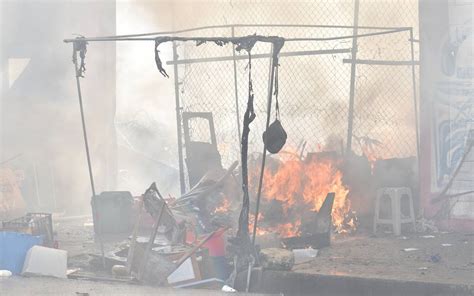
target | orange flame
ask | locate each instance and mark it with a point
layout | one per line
(302, 186)
(223, 207)
(283, 230)
(371, 157)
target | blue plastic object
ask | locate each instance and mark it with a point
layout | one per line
(13, 249)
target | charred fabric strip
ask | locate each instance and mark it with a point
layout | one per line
(245, 43)
(240, 245)
(80, 45)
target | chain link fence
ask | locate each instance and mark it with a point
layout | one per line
(314, 77)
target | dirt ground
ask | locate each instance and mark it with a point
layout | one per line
(360, 255)
(384, 257)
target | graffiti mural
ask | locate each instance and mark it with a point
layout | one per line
(454, 119)
(454, 101)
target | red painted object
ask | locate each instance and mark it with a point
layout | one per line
(216, 244)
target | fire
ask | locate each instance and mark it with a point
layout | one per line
(368, 147)
(300, 186)
(371, 157)
(283, 230)
(223, 207)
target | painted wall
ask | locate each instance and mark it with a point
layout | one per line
(447, 103)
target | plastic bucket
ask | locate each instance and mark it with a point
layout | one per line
(13, 249)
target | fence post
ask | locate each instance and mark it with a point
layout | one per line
(178, 120)
(237, 111)
(415, 99)
(96, 218)
(353, 72)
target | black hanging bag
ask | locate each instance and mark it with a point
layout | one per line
(275, 136)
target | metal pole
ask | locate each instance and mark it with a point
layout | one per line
(229, 39)
(265, 56)
(381, 62)
(353, 73)
(84, 130)
(264, 154)
(178, 121)
(237, 111)
(415, 97)
(155, 34)
(53, 185)
(38, 200)
(89, 165)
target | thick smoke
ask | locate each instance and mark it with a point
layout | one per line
(130, 108)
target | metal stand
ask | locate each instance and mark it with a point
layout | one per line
(178, 121)
(264, 157)
(271, 80)
(86, 143)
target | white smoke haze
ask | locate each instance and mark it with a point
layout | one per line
(145, 120)
(140, 147)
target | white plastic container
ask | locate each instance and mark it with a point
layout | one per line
(44, 261)
(5, 273)
(304, 255)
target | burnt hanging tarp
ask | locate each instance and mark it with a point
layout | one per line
(241, 245)
(242, 43)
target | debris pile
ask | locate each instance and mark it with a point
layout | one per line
(182, 242)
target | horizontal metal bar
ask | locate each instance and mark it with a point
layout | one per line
(259, 56)
(152, 37)
(248, 26)
(380, 62)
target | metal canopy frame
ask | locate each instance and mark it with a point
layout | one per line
(82, 41)
(176, 61)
